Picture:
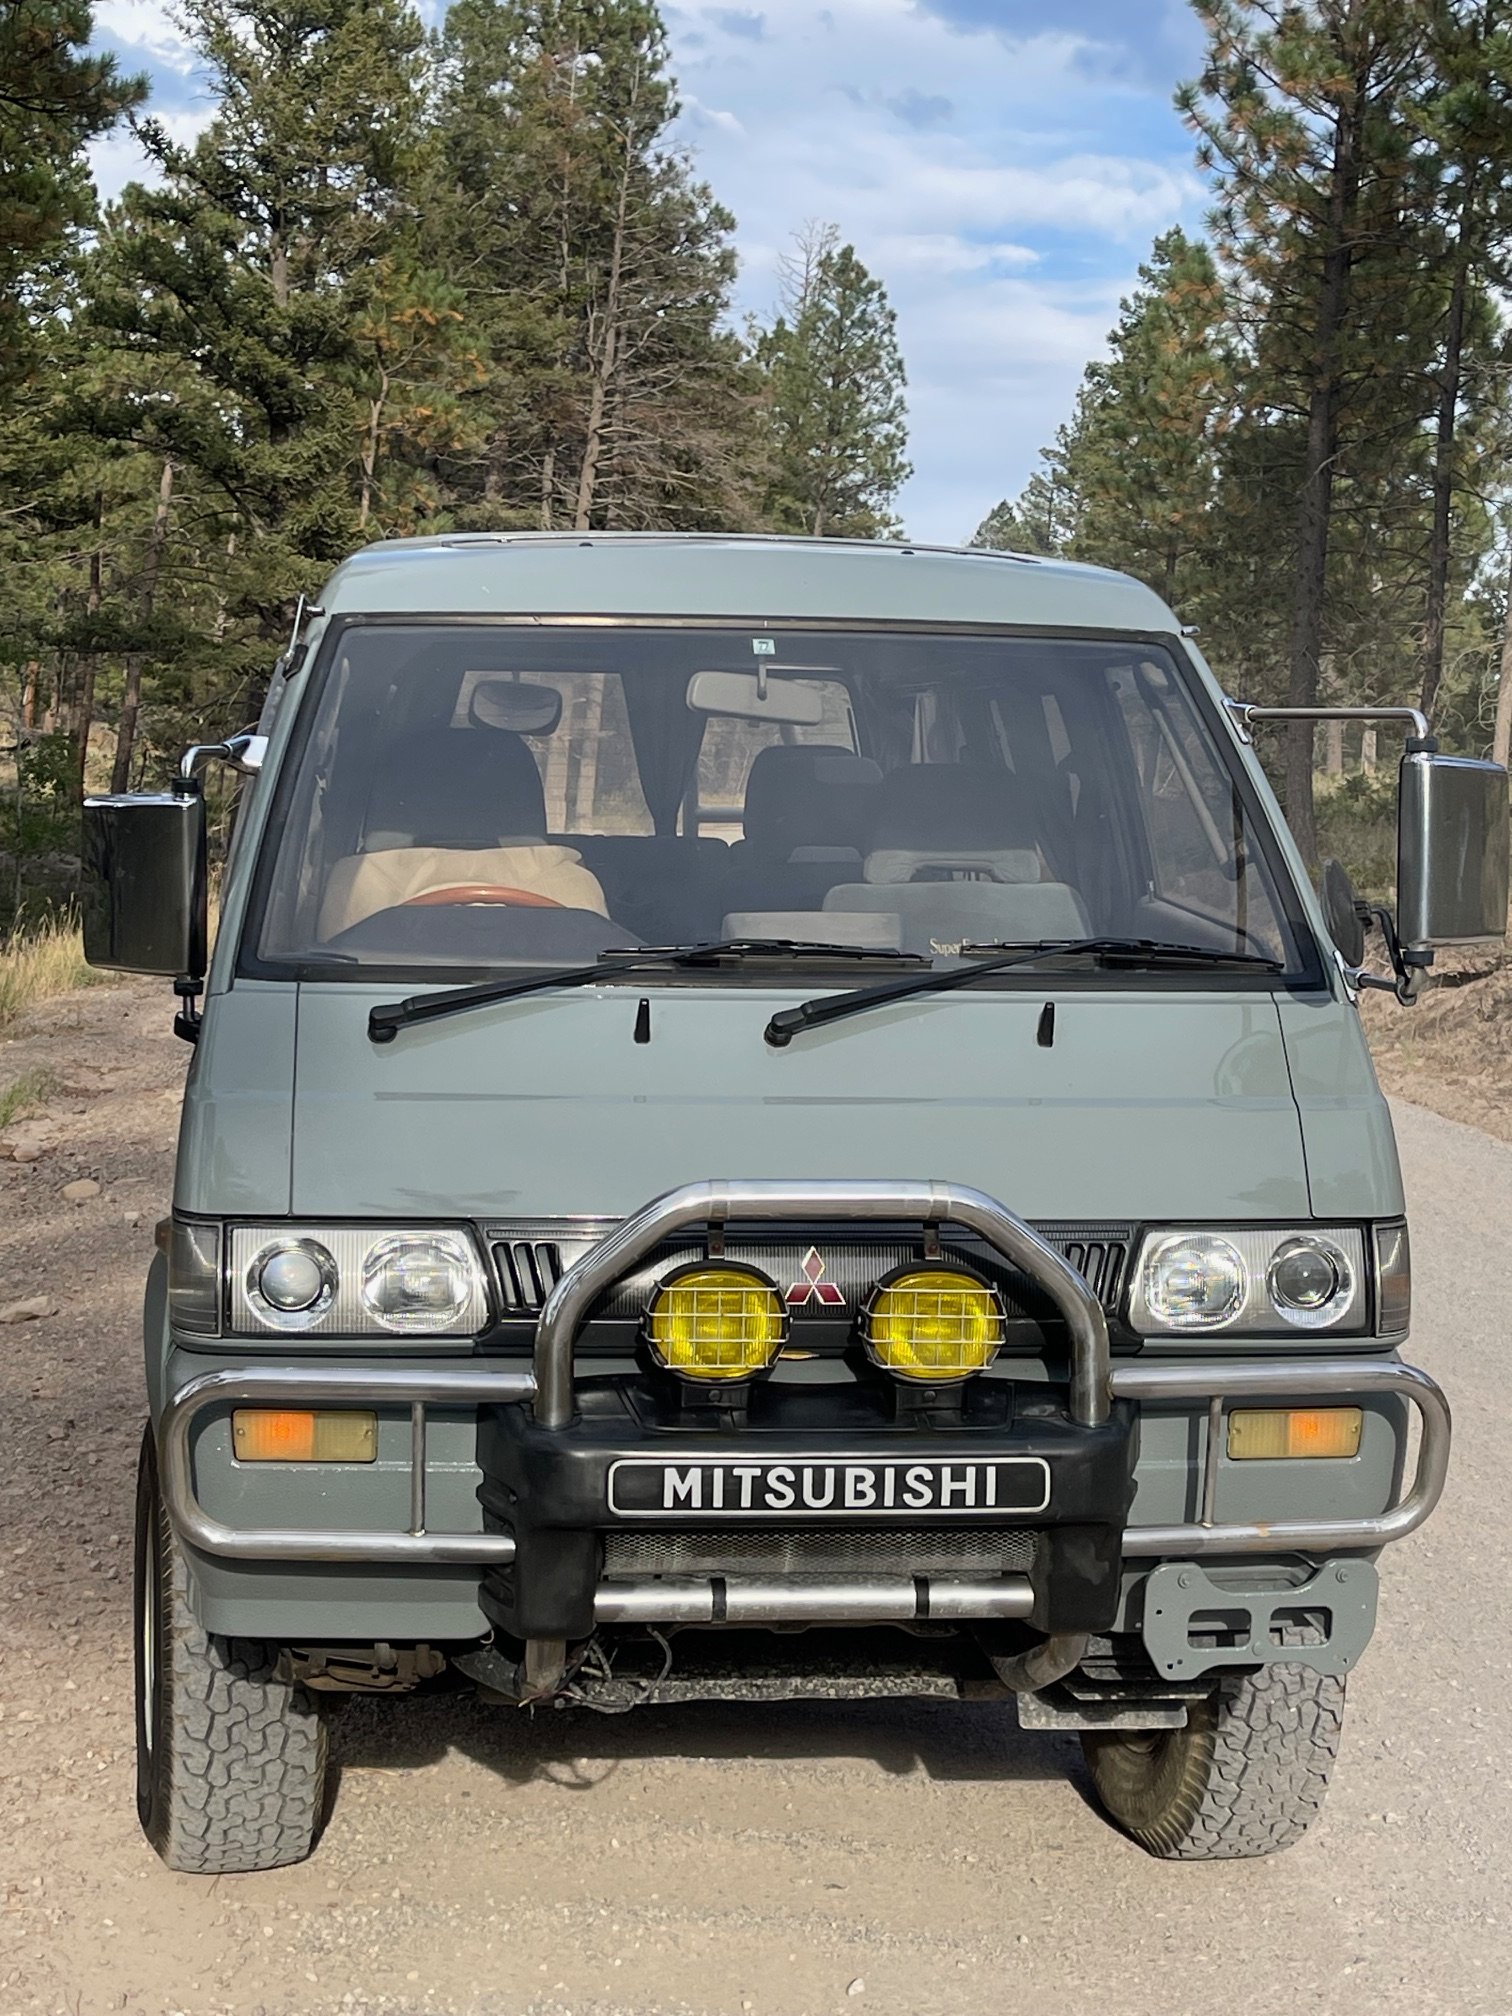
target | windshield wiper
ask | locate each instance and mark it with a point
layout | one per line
(1149, 953)
(386, 1020)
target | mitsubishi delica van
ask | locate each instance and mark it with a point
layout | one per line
(771, 1119)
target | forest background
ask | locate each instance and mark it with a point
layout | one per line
(410, 280)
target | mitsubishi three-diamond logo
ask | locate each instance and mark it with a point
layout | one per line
(811, 1285)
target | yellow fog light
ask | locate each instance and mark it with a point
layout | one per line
(933, 1323)
(716, 1323)
(1290, 1432)
(292, 1435)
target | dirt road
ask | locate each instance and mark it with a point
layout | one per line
(784, 1862)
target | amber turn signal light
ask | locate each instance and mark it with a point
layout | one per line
(292, 1435)
(1269, 1433)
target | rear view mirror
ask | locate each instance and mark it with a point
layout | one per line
(516, 706)
(1342, 913)
(756, 696)
(1452, 850)
(144, 884)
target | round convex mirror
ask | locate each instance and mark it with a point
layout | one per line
(1339, 907)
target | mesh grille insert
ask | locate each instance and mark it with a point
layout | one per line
(913, 1550)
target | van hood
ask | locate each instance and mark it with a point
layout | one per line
(1172, 1105)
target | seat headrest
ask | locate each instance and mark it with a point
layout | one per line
(809, 797)
(456, 787)
(935, 808)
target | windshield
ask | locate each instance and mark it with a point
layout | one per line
(466, 798)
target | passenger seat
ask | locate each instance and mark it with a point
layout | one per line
(808, 812)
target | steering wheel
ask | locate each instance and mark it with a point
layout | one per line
(482, 892)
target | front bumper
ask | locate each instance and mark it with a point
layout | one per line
(546, 1448)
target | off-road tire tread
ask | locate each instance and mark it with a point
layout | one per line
(238, 1775)
(1246, 1777)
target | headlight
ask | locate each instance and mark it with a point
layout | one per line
(418, 1285)
(933, 1324)
(1310, 1281)
(292, 1283)
(1250, 1280)
(355, 1281)
(1195, 1283)
(721, 1324)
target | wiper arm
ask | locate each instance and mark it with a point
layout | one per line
(787, 1023)
(386, 1020)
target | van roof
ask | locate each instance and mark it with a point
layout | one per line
(709, 574)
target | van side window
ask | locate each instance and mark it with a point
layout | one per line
(1194, 825)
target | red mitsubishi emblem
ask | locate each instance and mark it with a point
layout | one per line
(811, 1285)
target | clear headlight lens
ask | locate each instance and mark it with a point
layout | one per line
(355, 1281)
(1310, 1281)
(291, 1283)
(418, 1285)
(1196, 1283)
(1253, 1280)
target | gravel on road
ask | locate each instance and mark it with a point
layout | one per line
(901, 1858)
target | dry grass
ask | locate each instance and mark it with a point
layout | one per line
(39, 961)
(1453, 1051)
(21, 1098)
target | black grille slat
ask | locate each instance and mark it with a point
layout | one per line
(528, 1271)
(733, 1550)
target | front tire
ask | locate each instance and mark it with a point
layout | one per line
(1246, 1777)
(231, 1762)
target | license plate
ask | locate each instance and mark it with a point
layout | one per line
(805, 1488)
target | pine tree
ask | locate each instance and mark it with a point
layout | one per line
(1468, 120)
(54, 96)
(607, 391)
(247, 277)
(1302, 115)
(836, 383)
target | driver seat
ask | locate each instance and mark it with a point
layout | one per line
(451, 807)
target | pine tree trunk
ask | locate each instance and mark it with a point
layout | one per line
(90, 661)
(1315, 505)
(606, 353)
(1501, 741)
(29, 684)
(131, 696)
(370, 449)
(1443, 461)
(548, 490)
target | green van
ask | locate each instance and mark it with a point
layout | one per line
(771, 1119)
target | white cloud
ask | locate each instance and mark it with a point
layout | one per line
(146, 27)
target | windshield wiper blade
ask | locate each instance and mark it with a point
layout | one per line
(1143, 952)
(386, 1020)
(787, 1023)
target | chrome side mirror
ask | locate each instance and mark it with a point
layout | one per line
(1452, 851)
(144, 885)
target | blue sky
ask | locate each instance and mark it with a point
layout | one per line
(1002, 165)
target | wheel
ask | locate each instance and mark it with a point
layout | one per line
(1246, 1777)
(231, 1762)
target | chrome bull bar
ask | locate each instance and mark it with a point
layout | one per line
(1094, 1384)
(717, 1203)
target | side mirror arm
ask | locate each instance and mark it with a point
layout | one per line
(1408, 963)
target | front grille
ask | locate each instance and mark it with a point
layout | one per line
(528, 1271)
(531, 1258)
(805, 1550)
